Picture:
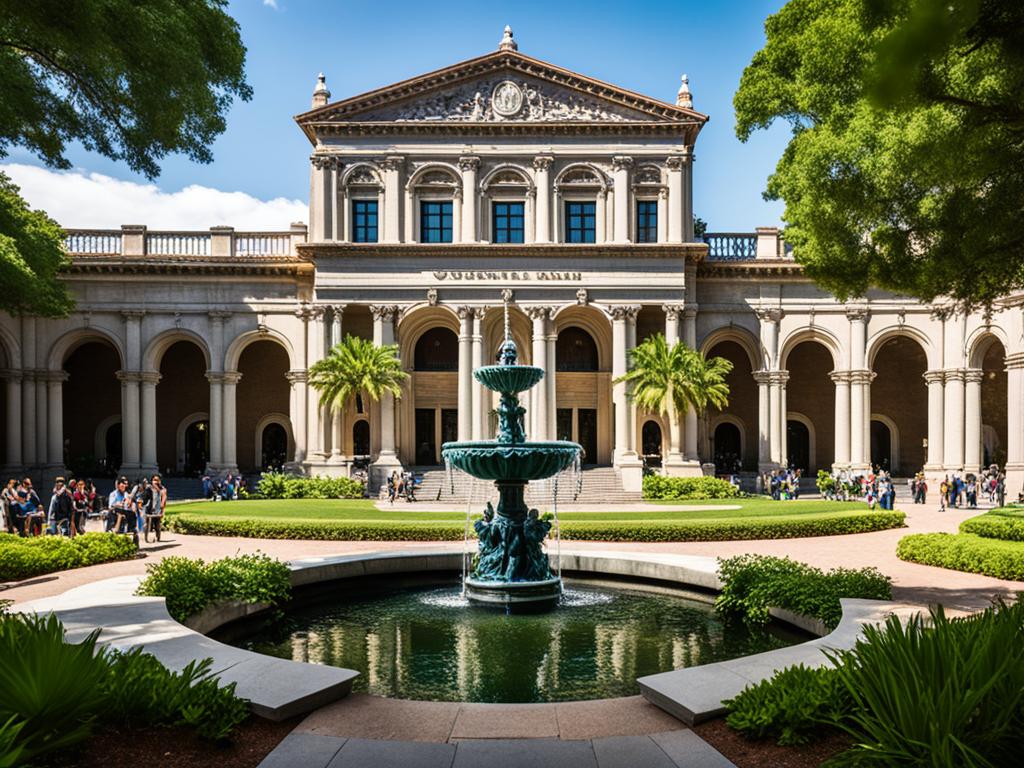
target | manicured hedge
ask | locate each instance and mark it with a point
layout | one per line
(278, 485)
(23, 558)
(965, 552)
(995, 526)
(641, 530)
(689, 488)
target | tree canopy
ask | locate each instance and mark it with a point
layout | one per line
(905, 169)
(132, 81)
(357, 366)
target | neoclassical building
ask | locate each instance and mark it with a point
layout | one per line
(433, 200)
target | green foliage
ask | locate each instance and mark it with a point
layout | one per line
(876, 93)
(670, 380)
(31, 252)
(51, 689)
(965, 552)
(22, 558)
(793, 707)
(189, 585)
(139, 689)
(751, 584)
(278, 485)
(689, 488)
(781, 527)
(354, 366)
(825, 482)
(937, 692)
(1006, 527)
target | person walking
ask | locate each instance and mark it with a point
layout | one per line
(62, 511)
(157, 505)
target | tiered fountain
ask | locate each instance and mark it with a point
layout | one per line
(512, 568)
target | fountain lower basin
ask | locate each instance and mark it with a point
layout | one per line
(493, 460)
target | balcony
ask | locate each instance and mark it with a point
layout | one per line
(766, 243)
(216, 243)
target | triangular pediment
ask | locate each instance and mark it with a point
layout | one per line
(505, 87)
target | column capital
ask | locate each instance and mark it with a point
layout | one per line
(761, 377)
(856, 313)
(52, 377)
(392, 163)
(672, 311)
(934, 377)
(338, 309)
(464, 312)
(216, 377)
(542, 162)
(231, 377)
(480, 311)
(954, 374)
(538, 312)
(328, 162)
(769, 314)
(621, 163)
(778, 377)
(384, 311)
(11, 374)
(675, 162)
(469, 163)
(129, 377)
(624, 311)
(862, 376)
(689, 313)
(974, 375)
(219, 315)
(132, 314)
(297, 376)
(150, 377)
(840, 377)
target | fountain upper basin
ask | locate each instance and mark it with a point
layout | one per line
(491, 460)
(509, 378)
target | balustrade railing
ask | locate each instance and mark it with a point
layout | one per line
(731, 246)
(219, 242)
(262, 243)
(93, 241)
(178, 243)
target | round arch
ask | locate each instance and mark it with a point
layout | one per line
(362, 167)
(494, 333)
(736, 421)
(649, 442)
(70, 341)
(819, 335)
(416, 322)
(436, 349)
(11, 348)
(894, 440)
(489, 178)
(878, 340)
(741, 336)
(600, 180)
(812, 438)
(978, 343)
(163, 341)
(282, 420)
(593, 321)
(240, 342)
(179, 436)
(417, 176)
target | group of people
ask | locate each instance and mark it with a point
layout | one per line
(70, 505)
(963, 491)
(401, 485)
(226, 488)
(139, 509)
(782, 484)
(875, 486)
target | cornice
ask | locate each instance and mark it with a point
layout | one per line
(688, 130)
(692, 252)
(287, 266)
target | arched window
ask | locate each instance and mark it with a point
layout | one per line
(575, 350)
(361, 438)
(650, 439)
(437, 350)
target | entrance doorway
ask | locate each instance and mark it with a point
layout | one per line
(650, 439)
(580, 426)
(727, 448)
(881, 445)
(798, 445)
(273, 446)
(197, 447)
(434, 427)
(112, 443)
(361, 438)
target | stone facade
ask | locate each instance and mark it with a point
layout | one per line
(193, 347)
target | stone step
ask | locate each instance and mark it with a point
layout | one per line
(599, 485)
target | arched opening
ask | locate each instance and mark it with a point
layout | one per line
(798, 444)
(361, 438)
(91, 396)
(650, 439)
(183, 391)
(811, 392)
(575, 351)
(727, 447)
(742, 401)
(881, 446)
(195, 448)
(113, 448)
(899, 366)
(993, 404)
(437, 350)
(262, 389)
(273, 447)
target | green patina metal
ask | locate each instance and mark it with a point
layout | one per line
(512, 536)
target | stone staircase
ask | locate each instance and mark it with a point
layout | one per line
(599, 485)
(182, 488)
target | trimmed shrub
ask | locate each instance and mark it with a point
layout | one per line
(790, 708)
(641, 530)
(689, 488)
(751, 584)
(278, 485)
(22, 558)
(965, 552)
(189, 586)
(995, 526)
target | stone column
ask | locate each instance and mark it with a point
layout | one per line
(784, 412)
(315, 338)
(860, 382)
(674, 164)
(631, 315)
(690, 420)
(764, 427)
(13, 436)
(231, 379)
(675, 431)
(384, 334)
(322, 200)
(936, 406)
(297, 414)
(954, 431)
(336, 231)
(337, 428)
(129, 420)
(149, 380)
(778, 422)
(972, 419)
(55, 440)
(392, 198)
(1014, 425)
(620, 179)
(551, 395)
(542, 180)
(619, 387)
(687, 212)
(456, 216)
(28, 392)
(539, 412)
(842, 437)
(478, 398)
(216, 379)
(465, 373)
(468, 165)
(600, 217)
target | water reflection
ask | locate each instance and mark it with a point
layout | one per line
(431, 645)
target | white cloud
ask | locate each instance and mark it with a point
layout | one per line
(270, 4)
(79, 199)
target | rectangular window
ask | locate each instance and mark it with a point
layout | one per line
(435, 221)
(647, 221)
(508, 222)
(580, 222)
(364, 221)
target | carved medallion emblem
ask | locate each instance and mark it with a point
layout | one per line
(507, 99)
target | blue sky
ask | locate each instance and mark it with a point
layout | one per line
(364, 45)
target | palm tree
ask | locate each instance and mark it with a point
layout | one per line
(670, 380)
(356, 366)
